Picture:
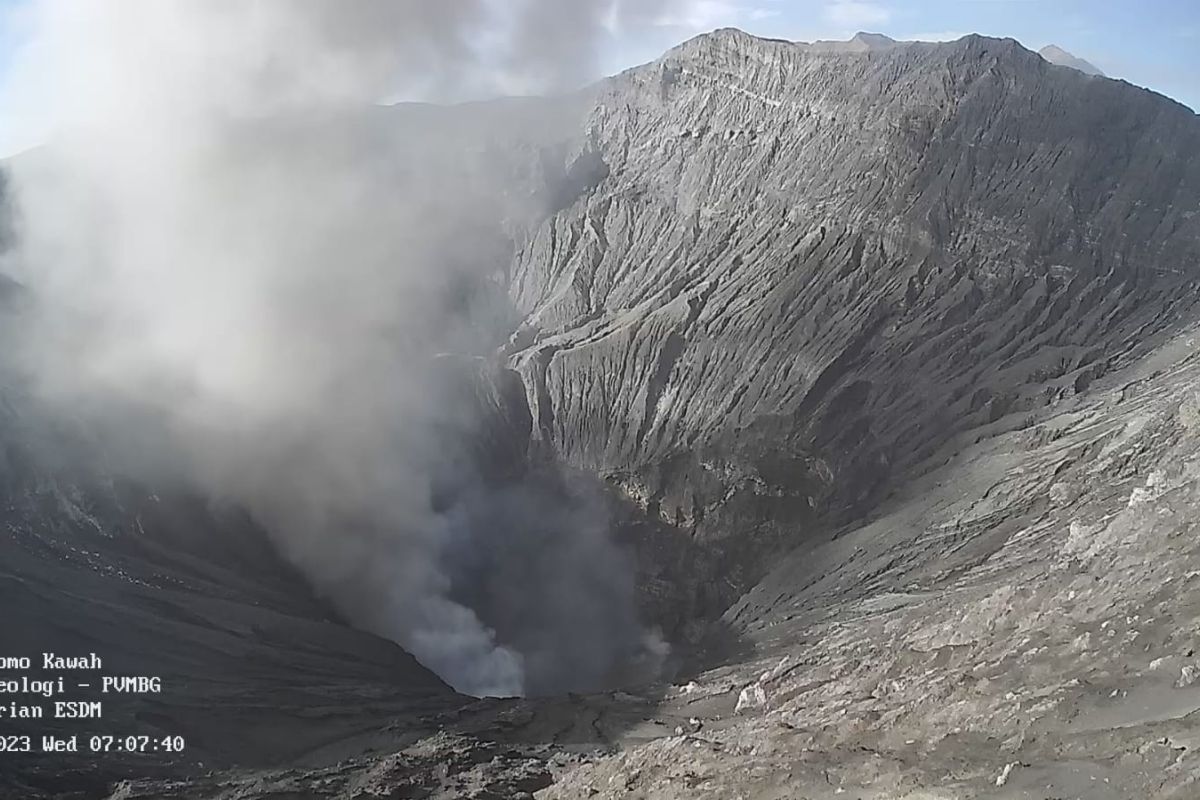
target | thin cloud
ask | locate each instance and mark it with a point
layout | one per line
(937, 36)
(856, 14)
(699, 15)
(763, 13)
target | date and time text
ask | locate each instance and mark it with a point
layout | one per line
(52, 686)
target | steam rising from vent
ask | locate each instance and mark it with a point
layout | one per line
(241, 269)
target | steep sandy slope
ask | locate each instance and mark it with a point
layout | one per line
(1020, 623)
(253, 668)
(802, 270)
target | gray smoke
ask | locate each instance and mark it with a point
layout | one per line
(241, 270)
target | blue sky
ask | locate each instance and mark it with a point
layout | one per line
(10, 36)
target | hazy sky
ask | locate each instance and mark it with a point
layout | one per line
(1153, 43)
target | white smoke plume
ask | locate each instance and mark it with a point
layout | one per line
(239, 268)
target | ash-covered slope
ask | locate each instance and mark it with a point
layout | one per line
(801, 271)
(160, 583)
(1015, 617)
